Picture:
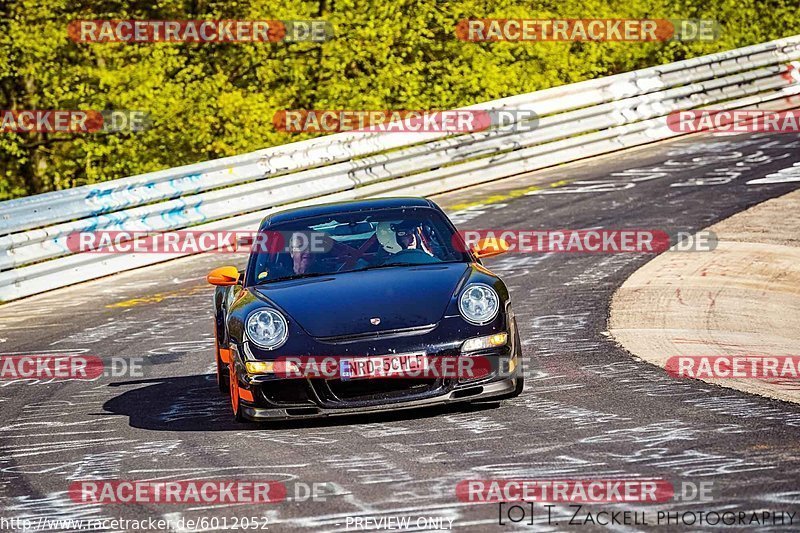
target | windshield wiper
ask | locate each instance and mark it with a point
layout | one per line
(385, 265)
(295, 276)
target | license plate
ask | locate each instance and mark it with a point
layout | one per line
(382, 366)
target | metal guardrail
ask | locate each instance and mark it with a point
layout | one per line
(578, 120)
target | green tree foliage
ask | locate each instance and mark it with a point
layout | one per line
(215, 100)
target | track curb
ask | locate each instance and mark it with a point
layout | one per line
(742, 298)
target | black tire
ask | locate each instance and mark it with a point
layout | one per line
(222, 375)
(238, 417)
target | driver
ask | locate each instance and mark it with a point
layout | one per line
(297, 260)
(408, 235)
(303, 259)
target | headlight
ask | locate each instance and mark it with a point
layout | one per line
(479, 304)
(267, 328)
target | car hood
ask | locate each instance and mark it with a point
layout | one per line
(344, 304)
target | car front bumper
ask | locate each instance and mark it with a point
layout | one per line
(464, 393)
(270, 397)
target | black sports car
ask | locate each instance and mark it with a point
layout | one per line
(375, 283)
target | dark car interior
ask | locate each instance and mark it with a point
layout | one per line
(350, 242)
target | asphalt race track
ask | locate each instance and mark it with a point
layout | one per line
(590, 410)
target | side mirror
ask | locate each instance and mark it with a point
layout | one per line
(490, 247)
(223, 276)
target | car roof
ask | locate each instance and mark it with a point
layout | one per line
(345, 207)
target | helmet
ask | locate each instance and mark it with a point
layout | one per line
(386, 236)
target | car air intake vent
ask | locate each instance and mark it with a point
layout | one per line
(465, 393)
(302, 411)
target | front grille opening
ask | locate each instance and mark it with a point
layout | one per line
(288, 392)
(378, 389)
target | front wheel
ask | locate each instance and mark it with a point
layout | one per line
(518, 388)
(234, 389)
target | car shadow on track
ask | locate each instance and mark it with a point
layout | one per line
(193, 403)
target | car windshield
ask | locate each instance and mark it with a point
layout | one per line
(352, 242)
